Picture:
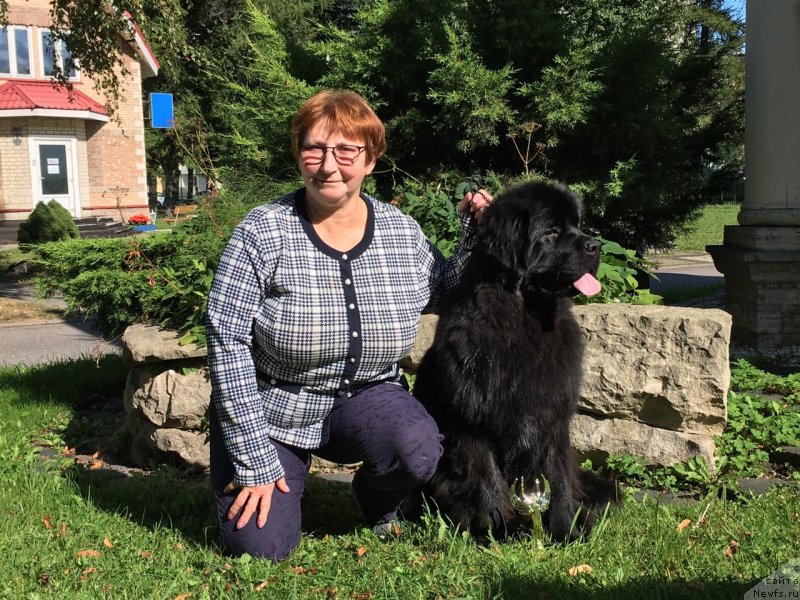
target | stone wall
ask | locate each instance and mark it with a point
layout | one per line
(655, 386)
(166, 398)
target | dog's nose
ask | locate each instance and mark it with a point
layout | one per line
(591, 246)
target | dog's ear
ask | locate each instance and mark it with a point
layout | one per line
(504, 237)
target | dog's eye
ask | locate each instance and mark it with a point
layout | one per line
(552, 232)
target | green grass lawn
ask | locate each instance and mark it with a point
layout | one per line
(70, 531)
(708, 228)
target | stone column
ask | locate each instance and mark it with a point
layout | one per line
(760, 257)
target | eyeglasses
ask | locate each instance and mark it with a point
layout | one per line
(344, 154)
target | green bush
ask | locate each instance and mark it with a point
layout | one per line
(162, 279)
(129, 280)
(47, 223)
(618, 276)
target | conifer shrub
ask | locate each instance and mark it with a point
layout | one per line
(49, 222)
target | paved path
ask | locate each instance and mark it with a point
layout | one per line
(684, 273)
(52, 340)
(48, 340)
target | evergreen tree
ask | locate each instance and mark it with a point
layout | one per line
(638, 104)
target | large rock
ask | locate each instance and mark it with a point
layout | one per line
(151, 444)
(423, 341)
(596, 438)
(169, 395)
(663, 366)
(149, 344)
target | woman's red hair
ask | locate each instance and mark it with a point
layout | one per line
(342, 112)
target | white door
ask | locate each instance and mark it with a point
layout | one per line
(53, 171)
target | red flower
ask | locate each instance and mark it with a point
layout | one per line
(140, 219)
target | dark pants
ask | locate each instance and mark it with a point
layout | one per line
(383, 426)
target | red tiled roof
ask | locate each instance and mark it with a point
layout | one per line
(32, 95)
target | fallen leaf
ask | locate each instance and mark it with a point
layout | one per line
(684, 524)
(361, 551)
(580, 569)
(179, 546)
(227, 566)
(362, 596)
(107, 588)
(63, 531)
(44, 579)
(299, 570)
(145, 554)
(183, 596)
(47, 523)
(86, 572)
(733, 548)
(262, 585)
(88, 554)
(107, 542)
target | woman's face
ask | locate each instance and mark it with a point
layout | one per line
(330, 184)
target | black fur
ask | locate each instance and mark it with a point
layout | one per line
(503, 375)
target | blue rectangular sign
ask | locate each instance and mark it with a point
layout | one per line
(162, 113)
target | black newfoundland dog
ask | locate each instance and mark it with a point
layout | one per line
(503, 375)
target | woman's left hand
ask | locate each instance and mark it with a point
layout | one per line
(476, 203)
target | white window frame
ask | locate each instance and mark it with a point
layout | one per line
(57, 57)
(12, 53)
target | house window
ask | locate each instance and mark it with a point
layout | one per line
(15, 52)
(55, 53)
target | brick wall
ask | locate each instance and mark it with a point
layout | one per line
(116, 153)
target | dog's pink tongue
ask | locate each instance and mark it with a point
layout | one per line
(587, 285)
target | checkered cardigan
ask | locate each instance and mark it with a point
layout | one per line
(293, 323)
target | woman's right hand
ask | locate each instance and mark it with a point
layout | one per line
(476, 202)
(254, 499)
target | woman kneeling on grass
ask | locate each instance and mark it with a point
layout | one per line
(316, 299)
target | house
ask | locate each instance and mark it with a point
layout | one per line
(62, 145)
